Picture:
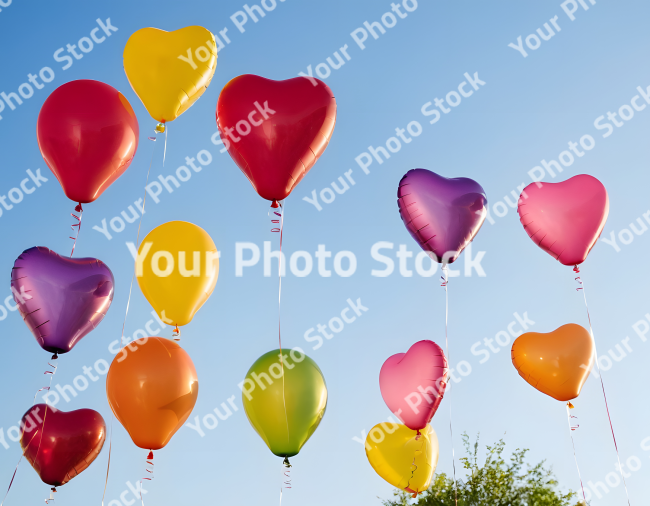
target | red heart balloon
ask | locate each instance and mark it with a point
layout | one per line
(61, 445)
(565, 219)
(275, 131)
(88, 135)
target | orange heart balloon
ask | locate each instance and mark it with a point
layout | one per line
(152, 388)
(557, 363)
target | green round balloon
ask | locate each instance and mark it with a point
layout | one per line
(284, 399)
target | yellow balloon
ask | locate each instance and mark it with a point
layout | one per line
(401, 457)
(177, 269)
(169, 71)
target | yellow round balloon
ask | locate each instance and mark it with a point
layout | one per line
(403, 458)
(177, 269)
(169, 71)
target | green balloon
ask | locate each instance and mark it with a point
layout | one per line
(284, 399)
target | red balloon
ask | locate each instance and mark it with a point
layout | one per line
(275, 131)
(88, 134)
(61, 445)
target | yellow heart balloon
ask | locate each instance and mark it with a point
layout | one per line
(169, 71)
(177, 269)
(403, 458)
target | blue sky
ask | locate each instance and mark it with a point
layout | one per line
(527, 111)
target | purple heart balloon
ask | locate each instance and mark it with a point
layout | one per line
(443, 215)
(61, 299)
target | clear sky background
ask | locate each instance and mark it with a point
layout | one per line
(528, 110)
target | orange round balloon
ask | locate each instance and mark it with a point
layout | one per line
(557, 363)
(152, 388)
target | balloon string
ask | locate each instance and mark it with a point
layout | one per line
(51, 373)
(137, 240)
(286, 477)
(16, 469)
(571, 429)
(414, 466)
(281, 205)
(51, 498)
(445, 282)
(576, 269)
(108, 467)
(77, 225)
(149, 468)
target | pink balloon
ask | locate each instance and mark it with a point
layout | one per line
(413, 383)
(565, 219)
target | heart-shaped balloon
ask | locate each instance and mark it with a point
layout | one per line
(557, 363)
(275, 131)
(565, 219)
(284, 401)
(61, 299)
(443, 215)
(61, 445)
(413, 383)
(169, 71)
(88, 135)
(402, 457)
(152, 388)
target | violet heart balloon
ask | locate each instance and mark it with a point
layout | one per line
(443, 215)
(61, 299)
(565, 219)
(413, 383)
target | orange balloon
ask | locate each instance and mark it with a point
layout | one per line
(152, 388)
(557, 363)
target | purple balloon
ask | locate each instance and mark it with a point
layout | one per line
(61, 299)
(443, 215)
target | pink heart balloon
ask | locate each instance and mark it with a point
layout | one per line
(565, 219)
(413, 383)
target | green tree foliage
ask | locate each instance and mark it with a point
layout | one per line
(494, 483)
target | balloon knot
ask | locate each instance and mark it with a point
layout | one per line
(160, 127)
(79, 209)
(54, 357)
(571, 406)
(176, 334)
(275, 204)
(286, 462)
(150, 456)
(576, 269)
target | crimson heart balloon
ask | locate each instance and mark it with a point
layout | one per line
(443, 215)
(413, 383)
(61, 445)
(565, 219)
(61, 299)
(88, 134)
(275, 131)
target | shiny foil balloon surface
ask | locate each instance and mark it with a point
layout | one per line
(88, 135)
(289, 409)
(179, 270)
(169, 71)
(275, 131)
(565, 219)
(413, 383)
(403, 458)
(557, 363)
(442, 215)
(152, 388)
(60, 299)
(61, 445)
